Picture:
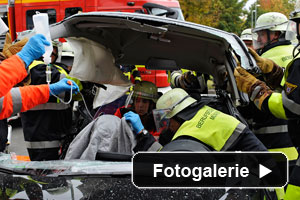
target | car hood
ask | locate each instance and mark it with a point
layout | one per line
(102, 40)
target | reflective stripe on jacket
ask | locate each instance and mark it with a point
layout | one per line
(286, 105)
(22, 99)
(203, 127)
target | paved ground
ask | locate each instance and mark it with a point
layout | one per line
(17, 141)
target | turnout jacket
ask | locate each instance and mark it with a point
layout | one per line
(272, 131)
(286, 105)
(216, 130)
(20, 99)
(45, 125)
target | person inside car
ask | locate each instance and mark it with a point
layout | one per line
(143, 97)
(188, 118)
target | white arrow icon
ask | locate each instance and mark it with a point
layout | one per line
(263, 171)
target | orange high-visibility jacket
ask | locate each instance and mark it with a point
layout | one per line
(19, 99)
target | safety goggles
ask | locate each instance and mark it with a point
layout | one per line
(161, 116)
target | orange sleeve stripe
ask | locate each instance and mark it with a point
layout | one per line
(34, 95)
(12, 71)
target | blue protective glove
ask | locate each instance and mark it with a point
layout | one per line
(33, 49)
(135, 121)
(63, 86)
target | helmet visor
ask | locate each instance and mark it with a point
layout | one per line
(259, 39)
(291, 31)
(160, 119)
(129, 99)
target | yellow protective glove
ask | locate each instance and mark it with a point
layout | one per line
(266, 65)
(257, 90)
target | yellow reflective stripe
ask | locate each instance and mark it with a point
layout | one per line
(187, 70)
(292, 192)
(35, 63)
(290, 152)
(276, 106)
(60, 69)
(127, 74)
(210, 126)
(169, 76)
(137, 78)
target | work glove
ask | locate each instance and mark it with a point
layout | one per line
(187, 80)
(266, 65)
(257, 90)
(10, 49)
(64, 85)
(33, 49)
(135, 121)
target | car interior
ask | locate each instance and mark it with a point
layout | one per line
(103, 41)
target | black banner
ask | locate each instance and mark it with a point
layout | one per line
(213, 170)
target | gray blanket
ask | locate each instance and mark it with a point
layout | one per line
(106, 133)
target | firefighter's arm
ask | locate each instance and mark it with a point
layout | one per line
(186, 80)
(12, 71)
(286, 105)
(257, 90)
(21, 99)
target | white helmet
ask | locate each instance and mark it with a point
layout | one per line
(273, 21)
(270, 22)
(246, 34)
(170, 104)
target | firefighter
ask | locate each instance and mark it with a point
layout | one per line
(13, 70)
(45, 125)
(144, 97)
(269, 38)
(191, 119)
(246, 36)
(131, 72)
(284, 105)
(269, 41)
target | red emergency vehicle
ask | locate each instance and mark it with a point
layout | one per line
(18, 15)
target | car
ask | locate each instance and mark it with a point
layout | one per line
(101, 41)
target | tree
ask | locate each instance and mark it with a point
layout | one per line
(222, 14)
(283, 6)
(230, 19)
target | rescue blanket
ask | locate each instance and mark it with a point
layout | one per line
(106, 133)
